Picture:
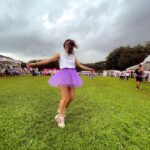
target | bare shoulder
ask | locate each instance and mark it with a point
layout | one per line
(57, 55)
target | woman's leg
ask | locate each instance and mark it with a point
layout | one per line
(139, 84)
(64, 98)
(71, 96)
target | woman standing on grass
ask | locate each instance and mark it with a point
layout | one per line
(139, 74)
(67, 79)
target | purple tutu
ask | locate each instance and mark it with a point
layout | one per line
(66, 77)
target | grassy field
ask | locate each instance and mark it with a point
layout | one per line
(107, 113)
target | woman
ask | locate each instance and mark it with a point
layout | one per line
(67, 79)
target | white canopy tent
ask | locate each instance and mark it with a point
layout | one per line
(146, 65)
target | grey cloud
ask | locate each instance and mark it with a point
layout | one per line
(98, 26)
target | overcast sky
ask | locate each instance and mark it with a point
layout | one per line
(36, 29)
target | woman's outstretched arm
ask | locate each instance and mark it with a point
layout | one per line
(82, 66)
(45, 61)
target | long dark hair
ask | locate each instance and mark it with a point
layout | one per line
(72, 45)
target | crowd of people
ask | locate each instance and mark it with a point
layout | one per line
(10, 71)
(124, 75)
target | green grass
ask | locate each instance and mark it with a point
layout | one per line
(107, 113)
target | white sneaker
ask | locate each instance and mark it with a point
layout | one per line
(60, 121)
(64, 113)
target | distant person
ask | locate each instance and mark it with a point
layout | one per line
(132, 74)
(146, 75)
(149, 76)
(127, 75)
(33, 72)
(92, 75)
(139, 74)
(6, 72)
(122, 75)
(67, 79)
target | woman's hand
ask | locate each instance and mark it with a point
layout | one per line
(84, 67)
(92, 70)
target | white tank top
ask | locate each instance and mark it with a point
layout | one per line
(66, 61)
